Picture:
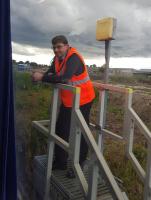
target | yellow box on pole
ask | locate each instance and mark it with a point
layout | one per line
(105, 29)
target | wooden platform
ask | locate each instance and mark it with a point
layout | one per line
(62, 188)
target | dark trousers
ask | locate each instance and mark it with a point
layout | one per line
(63, 130)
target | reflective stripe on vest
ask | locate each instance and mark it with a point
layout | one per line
(87, 78)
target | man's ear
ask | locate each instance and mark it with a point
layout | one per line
(66, 47)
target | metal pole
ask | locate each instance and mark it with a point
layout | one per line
(107, 59)
(93, 180)
(103, 95)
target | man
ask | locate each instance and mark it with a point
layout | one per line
(68, 67)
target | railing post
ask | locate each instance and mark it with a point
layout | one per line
(93, 179)
(103, 95)
(147, 187)
(75, 135)
(51, 142)
(74, 143)
(128, 128)
(93, 169)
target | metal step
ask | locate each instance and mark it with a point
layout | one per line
(61, 187)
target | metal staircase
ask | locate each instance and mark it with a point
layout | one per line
(96, 180)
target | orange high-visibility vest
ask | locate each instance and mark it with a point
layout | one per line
(83, 81)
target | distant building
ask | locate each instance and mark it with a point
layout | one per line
(145, 72)
(121, 71)
(23, 67)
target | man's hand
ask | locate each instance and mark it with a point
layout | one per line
(37, 76)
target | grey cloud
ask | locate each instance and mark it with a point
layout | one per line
(35, 22)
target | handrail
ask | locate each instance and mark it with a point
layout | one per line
(145, 175)
(77, 121)
(39, 125)
(146, 132)
(99, 156)
(130, 119)
(110, 87)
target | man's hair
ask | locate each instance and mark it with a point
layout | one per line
(59, 39)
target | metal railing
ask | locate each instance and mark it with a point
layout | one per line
(79, 126)
(130, 119)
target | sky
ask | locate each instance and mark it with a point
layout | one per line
(35, 22)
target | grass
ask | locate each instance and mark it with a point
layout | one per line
(32, 102)
(131, 80)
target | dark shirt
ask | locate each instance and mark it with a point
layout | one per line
(74, 66)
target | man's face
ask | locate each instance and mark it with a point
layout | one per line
(60, 49)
